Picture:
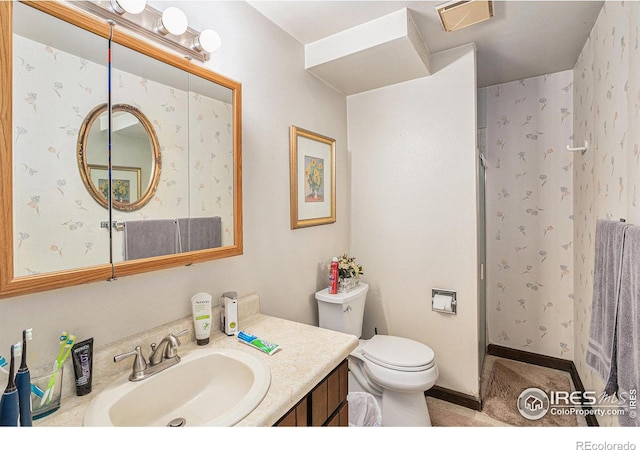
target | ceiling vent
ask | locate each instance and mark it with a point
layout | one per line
(456, 14)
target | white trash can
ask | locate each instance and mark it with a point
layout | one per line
(363, 410)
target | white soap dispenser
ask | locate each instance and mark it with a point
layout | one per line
(229, 313)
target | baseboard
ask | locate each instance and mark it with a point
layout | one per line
(530, 358)
(546, 361)
(458, 398)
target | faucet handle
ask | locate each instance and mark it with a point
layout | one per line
(139, 363)
(182, 333)
(171, 349)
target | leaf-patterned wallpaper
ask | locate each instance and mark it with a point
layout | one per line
(607, 176)
(56, 222)
(530, 214)
(606, 112)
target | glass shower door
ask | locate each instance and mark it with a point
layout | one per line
(482, 260)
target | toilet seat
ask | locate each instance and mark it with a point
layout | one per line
(397, 353)
(392, 362)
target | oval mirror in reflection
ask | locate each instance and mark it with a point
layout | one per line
(135, 156)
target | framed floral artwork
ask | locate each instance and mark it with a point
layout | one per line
(313, 178)
(125, 182)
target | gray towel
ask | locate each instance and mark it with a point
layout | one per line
(199, 233)
(628, 328)
(183, 235)
(147, 238)
(205, 232)
(606, 285)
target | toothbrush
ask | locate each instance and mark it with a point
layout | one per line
(64, 336)
(34, 389)
(23, 381)
(65, 349)
(9, 410)
(62, 339)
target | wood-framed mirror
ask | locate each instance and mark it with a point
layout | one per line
(132, 136)
(53, 233)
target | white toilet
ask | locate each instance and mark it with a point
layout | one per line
(395, 370)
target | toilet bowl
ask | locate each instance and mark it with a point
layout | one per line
(395, 370)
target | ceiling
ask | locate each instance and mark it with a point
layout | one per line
(524, 38)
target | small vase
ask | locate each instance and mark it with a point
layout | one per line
(347, 284)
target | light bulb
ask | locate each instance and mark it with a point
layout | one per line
(128, 6)
(173, 21)
(207, 41)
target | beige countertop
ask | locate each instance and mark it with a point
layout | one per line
(306, 356)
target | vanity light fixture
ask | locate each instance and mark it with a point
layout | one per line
(173, 21)
(207, 41)
(128, 6)
(169, 27)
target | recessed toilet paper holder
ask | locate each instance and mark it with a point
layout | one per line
(444, 301)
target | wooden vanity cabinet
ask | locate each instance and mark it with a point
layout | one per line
(325, 405)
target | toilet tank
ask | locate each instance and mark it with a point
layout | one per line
(343, 311)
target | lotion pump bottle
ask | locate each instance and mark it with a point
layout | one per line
(201, 309)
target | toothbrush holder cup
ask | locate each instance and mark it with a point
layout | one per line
(46, 391)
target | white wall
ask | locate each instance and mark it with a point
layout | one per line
(281, 265)
(413, 183)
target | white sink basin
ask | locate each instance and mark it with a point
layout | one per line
(208, 387)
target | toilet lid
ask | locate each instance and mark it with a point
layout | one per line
(398, 353)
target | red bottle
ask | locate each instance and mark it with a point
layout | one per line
(333, 276)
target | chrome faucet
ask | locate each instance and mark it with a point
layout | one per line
(166, 349)
(163, 356)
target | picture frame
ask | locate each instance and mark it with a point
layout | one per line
(125, 182)
(312, 167)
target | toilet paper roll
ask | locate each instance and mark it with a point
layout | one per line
(442, 302)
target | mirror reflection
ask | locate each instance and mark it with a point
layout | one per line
(211, 144)
(179, 127)
(192, 207)
(55, 85)
(136, 145)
